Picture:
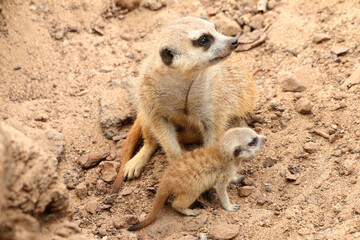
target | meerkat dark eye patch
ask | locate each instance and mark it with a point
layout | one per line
(204, 41)
(253, 142)
(167, 56)
(237, 151)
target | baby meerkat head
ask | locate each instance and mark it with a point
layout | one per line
(190, 43)
(242, 143)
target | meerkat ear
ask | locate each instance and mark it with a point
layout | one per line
(237, 151)
(167, 55)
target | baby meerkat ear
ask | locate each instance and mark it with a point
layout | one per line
(167, 55)
(237, 151)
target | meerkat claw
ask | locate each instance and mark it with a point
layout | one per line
(233, 208)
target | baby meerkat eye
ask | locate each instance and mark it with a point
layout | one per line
(237, 151)
(253, 142)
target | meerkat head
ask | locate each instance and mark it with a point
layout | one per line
(190, 44)
(241, 143)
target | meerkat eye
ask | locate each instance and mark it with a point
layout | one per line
(204, 40)
(253, 142)
(237, 151)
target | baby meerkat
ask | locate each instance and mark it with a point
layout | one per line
(188, 82)
(202, 169)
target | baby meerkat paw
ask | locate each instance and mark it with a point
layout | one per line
(233, 208)
(238, 178)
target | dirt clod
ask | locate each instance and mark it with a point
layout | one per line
(92, 159)
(223, 231)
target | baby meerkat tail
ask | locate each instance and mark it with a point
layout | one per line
(160, 200)
(129, 147)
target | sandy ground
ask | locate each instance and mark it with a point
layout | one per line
(60, 61)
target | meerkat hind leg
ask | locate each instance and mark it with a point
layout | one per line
(135, 165)
(183, 202)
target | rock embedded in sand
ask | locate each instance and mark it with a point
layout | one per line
(269, 162)
(223, 231)
(246, 191)
(153, 5)
(116, 110)
(109, 170)
(71, 179)
(100, 187)
(310, 147)
(211, 11)
(321, 37)
(349, 166)
(248, 181)
(257, 21)
(91, 206)
(294, 83)
(90, 160)
(304, 106)
(290, 177)
(226, 25)
(81, 190)
(131, 219)
(339, 50)
(119, 222)
(271, 4)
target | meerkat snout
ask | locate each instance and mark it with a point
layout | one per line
(234, 43)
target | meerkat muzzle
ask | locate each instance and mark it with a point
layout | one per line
(234, 43)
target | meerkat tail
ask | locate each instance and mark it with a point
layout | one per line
(160, 200)
(129, 147)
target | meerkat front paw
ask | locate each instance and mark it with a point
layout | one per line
(232, 208)
(238, 178)
(133, 168)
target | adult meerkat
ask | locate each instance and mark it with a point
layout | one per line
(202, 169)
(189, 81)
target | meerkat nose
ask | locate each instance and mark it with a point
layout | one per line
(234, 43)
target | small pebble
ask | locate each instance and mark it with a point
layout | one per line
(304, 106)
